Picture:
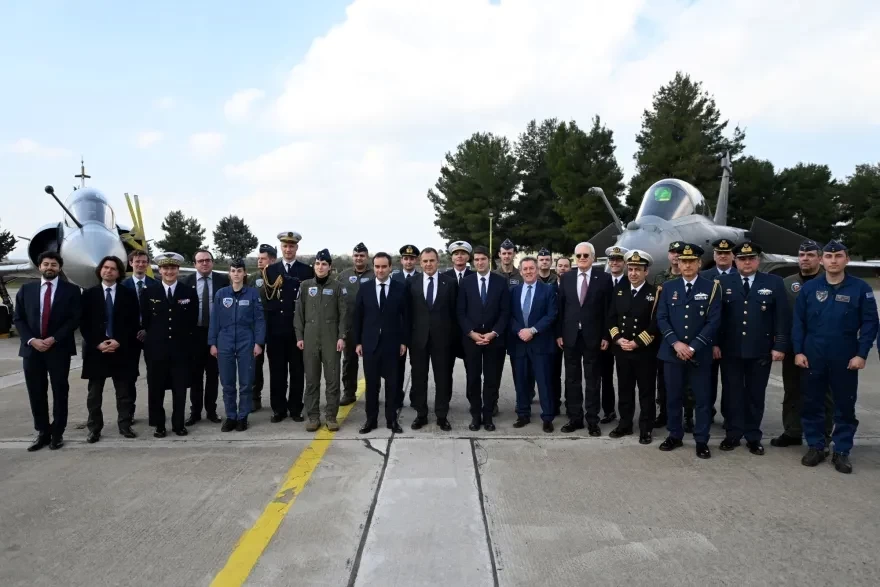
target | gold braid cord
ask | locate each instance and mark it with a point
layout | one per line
(714, 289)
(273, 290)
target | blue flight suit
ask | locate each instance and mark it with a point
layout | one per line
(832, 324)
(692, 319)
(237, 324)
(752, 325)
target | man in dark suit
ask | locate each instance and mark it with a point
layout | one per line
(139, 280)
(381, 332)
(109, 325)
(206, 375)
(433, 299)
(483, 312)
(46, 316)
(170, 315)
(563, 266)
(531, 343)
(584, 296)
(460, 252)
(409, 255)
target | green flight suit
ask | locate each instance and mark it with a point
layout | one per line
(320, 320)
(791, 375)
(351, 280)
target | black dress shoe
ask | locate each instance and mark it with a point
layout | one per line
(297, 418)
(784, 440)
(571, 426)
(347, 400)
(277, 418)
(159, 433)
(619, 432)
(608, 418)
(594, 430)
(133, 420)
(395, 427)
(671, 444)
(520, 422)
(213, 418)
(660, 421)
(813, 457)
(181, 432)
(191, 421)
(444, 424)
(548, 427)
(756, 448)
(367, 428)
(474, 425)
(841, 463)
(489, 426)
(419, 422)
(728, 444)
(93, 437)
(703, 450)
(127, 432)
(39, 442)
(56, 443)
(241, 425)
(229, 425)
(645, 438)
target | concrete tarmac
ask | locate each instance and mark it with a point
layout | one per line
(516, 507)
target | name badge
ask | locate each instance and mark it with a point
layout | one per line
(328, 291)
(840, 298)
(244, 302)
(364, 279)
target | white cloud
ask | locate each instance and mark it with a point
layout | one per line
(238, 107)
(164, 103)
(33, 148)
(206, 144)
(148, 138)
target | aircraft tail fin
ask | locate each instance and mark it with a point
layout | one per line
(604, 238)
(721, 205)
(774, 238)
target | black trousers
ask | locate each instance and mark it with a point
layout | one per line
(379, 365)
(133, 378)
(95, 399)
(718, 365)
(258, 375)
(285, 360)
(205, 376)
(401, 380)
(557, 381)
(606, 367)
(582, 380)
(161, 373)
(39, 370)
(637, 369)
(442, 360)
(484, 365)
(746, 381)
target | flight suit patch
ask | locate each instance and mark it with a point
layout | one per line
(328, 291)
(841, 298)
(227, 302)
(821, 296)
(313, 291)
(244, 302)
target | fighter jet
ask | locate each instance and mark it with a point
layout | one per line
(674, 210)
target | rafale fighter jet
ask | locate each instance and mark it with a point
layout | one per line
(674, 210)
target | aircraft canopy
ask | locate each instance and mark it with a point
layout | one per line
(90, 205)
(672, 198)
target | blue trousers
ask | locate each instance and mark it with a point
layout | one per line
(238, 403)
(745, 385)
(844, 383)
(529, 369)
(677, 376)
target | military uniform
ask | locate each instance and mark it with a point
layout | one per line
(606, 357)
(631, 317)
(660, 279)
(755, 320)
(833, 323)
(458, 347)
(351, 280)
(513, 278)
(255, 280)
(550, 279)
(321, 320)
(404, 278)
(713, 273)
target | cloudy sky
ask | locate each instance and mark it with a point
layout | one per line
(332, 118)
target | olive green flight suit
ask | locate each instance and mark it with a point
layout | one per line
(320, 320)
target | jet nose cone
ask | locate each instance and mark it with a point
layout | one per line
(84, 248)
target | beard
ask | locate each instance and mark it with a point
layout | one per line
(49, 274)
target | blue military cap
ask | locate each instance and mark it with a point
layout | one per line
(409, 251)
(747, 249)
(324, 255)
(269, 249)
(544, 252)
(723, 245)
(237, 264)
(508, 244)
(834, 247)
(809, 245)
(360, 248)
(688, 251)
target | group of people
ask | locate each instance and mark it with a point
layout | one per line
(669, 339)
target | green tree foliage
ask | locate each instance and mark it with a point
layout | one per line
(682, 137)
(810, 196)
(182, 235)
(479, 178)
(578, 161)
(860, 211)
(233, 238)
(753, 192)
(7, 243)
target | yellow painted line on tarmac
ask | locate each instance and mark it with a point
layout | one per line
(254, 541)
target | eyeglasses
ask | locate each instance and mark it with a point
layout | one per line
(582, 255)
(204, 260)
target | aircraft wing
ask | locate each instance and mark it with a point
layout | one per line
(20, 270)
(784, 265)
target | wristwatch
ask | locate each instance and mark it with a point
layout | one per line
(533, 330)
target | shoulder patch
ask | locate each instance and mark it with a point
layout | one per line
(796, 286)
(869, 295)
(344, 291)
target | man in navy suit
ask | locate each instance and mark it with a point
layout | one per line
(46, 316)
(381, 333)
(139, 281)
(483, 312)
(531, 343)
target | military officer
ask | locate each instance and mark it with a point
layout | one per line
(507, 270)
(321, 321)
(169, 316)
(265, 257)
(722, 252)
(563, 266)
(633, 333)
(618, 272)
(834, 328)
(545, 271)
(668, 274)
(351, 280)
(289, 246)
(809, 267)
(688, 315)
(409, 257)
(754, 332)
(460, 252)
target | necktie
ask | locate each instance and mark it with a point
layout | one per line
(140, 287)
(430, 298)
(408, 276)
(205, 319)
(616, 280)
(170, 296)
(382, 297)
(688, 290)
(635, 292)
(47, 309)
(483, 295)
(527, 306)
(746, 287)
(108, 305)
(288, 267)
(460, 275)
(582, 295)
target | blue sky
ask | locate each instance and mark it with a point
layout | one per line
(344, 110)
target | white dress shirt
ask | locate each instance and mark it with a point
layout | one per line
(636, 290)
(692, 282)
(112, 287)
(480, 276)
(405, 274)
(425, 282)
(43, 283)
(724, 271)
(615, 279)
(751, 279)
(173, 287)
(387, 283)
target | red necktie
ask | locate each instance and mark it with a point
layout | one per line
(47, 309)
